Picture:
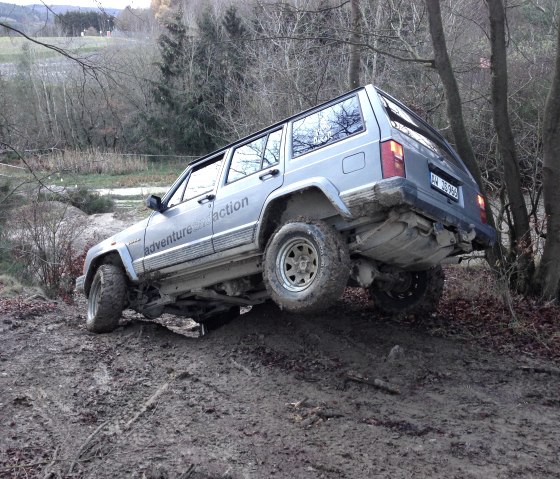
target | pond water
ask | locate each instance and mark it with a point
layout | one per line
(138, 191)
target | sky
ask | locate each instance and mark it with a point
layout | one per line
(87, 3)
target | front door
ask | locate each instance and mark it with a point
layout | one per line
(183, 230)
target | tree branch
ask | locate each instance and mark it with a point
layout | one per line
(299, 10)
(425, 61)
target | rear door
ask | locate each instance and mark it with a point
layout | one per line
(255, 169)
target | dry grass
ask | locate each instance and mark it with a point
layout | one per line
(88, 162)
(96, 169)
(468, 282)
(9, 286)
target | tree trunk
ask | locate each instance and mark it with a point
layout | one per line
(354, 65)
(506, 142)
(548, 275)
(455, 112)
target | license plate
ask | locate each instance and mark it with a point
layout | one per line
(444, 186)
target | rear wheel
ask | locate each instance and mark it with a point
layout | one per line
(106, 299)
(306, 266)
(416, 292)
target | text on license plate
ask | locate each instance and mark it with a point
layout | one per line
(444, 186)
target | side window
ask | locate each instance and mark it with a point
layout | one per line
(252, 157)
(200, 181)
(203, 179)
(326, 126)
(178, 195)
(246, 159)
(272, 152)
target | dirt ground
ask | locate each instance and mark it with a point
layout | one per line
(345, 394)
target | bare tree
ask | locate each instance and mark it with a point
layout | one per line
(548, 274)
(455, 108)
(354, 64)
(512, 178)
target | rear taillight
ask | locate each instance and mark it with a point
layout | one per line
(482, 207)
(392, 159)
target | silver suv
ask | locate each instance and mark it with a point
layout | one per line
(358, 190)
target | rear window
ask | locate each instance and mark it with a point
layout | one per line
(329, 125)
(411, 125)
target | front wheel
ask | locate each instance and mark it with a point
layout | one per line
(106, 300)
(416, 292)
(306, 266)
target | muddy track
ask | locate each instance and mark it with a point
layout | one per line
(268, 395)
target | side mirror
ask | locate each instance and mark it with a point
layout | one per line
(154, 203)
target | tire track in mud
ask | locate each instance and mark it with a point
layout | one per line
(266, 396)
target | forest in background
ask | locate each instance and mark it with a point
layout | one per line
(237, 67)
(187, 77)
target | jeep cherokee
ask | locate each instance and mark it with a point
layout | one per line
(358, 190)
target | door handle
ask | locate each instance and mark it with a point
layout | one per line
(269, 174)
(207, 199)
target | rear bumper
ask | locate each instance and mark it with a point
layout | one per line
(400, 192)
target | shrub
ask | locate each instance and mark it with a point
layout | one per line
(5, 198)
(9, 286)
(88, 201)
(10, 263)
(43, 237)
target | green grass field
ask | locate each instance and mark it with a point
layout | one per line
(161, 176)
(11, 48)
(158, 175)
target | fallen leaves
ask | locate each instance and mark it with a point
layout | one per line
(21, 308)
(482, 315)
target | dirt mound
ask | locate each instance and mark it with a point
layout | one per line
(103, 225)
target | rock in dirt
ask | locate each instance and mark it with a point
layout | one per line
(396, 353)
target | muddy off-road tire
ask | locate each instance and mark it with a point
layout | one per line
(106, 300)
(419, 293)
(306, 266)
(221, 319)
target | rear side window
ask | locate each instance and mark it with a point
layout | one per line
(252, 157)
(327, 126)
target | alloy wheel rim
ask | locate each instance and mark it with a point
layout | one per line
(298, 264)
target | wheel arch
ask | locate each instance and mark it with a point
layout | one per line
(118, 257)
(317, 201)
